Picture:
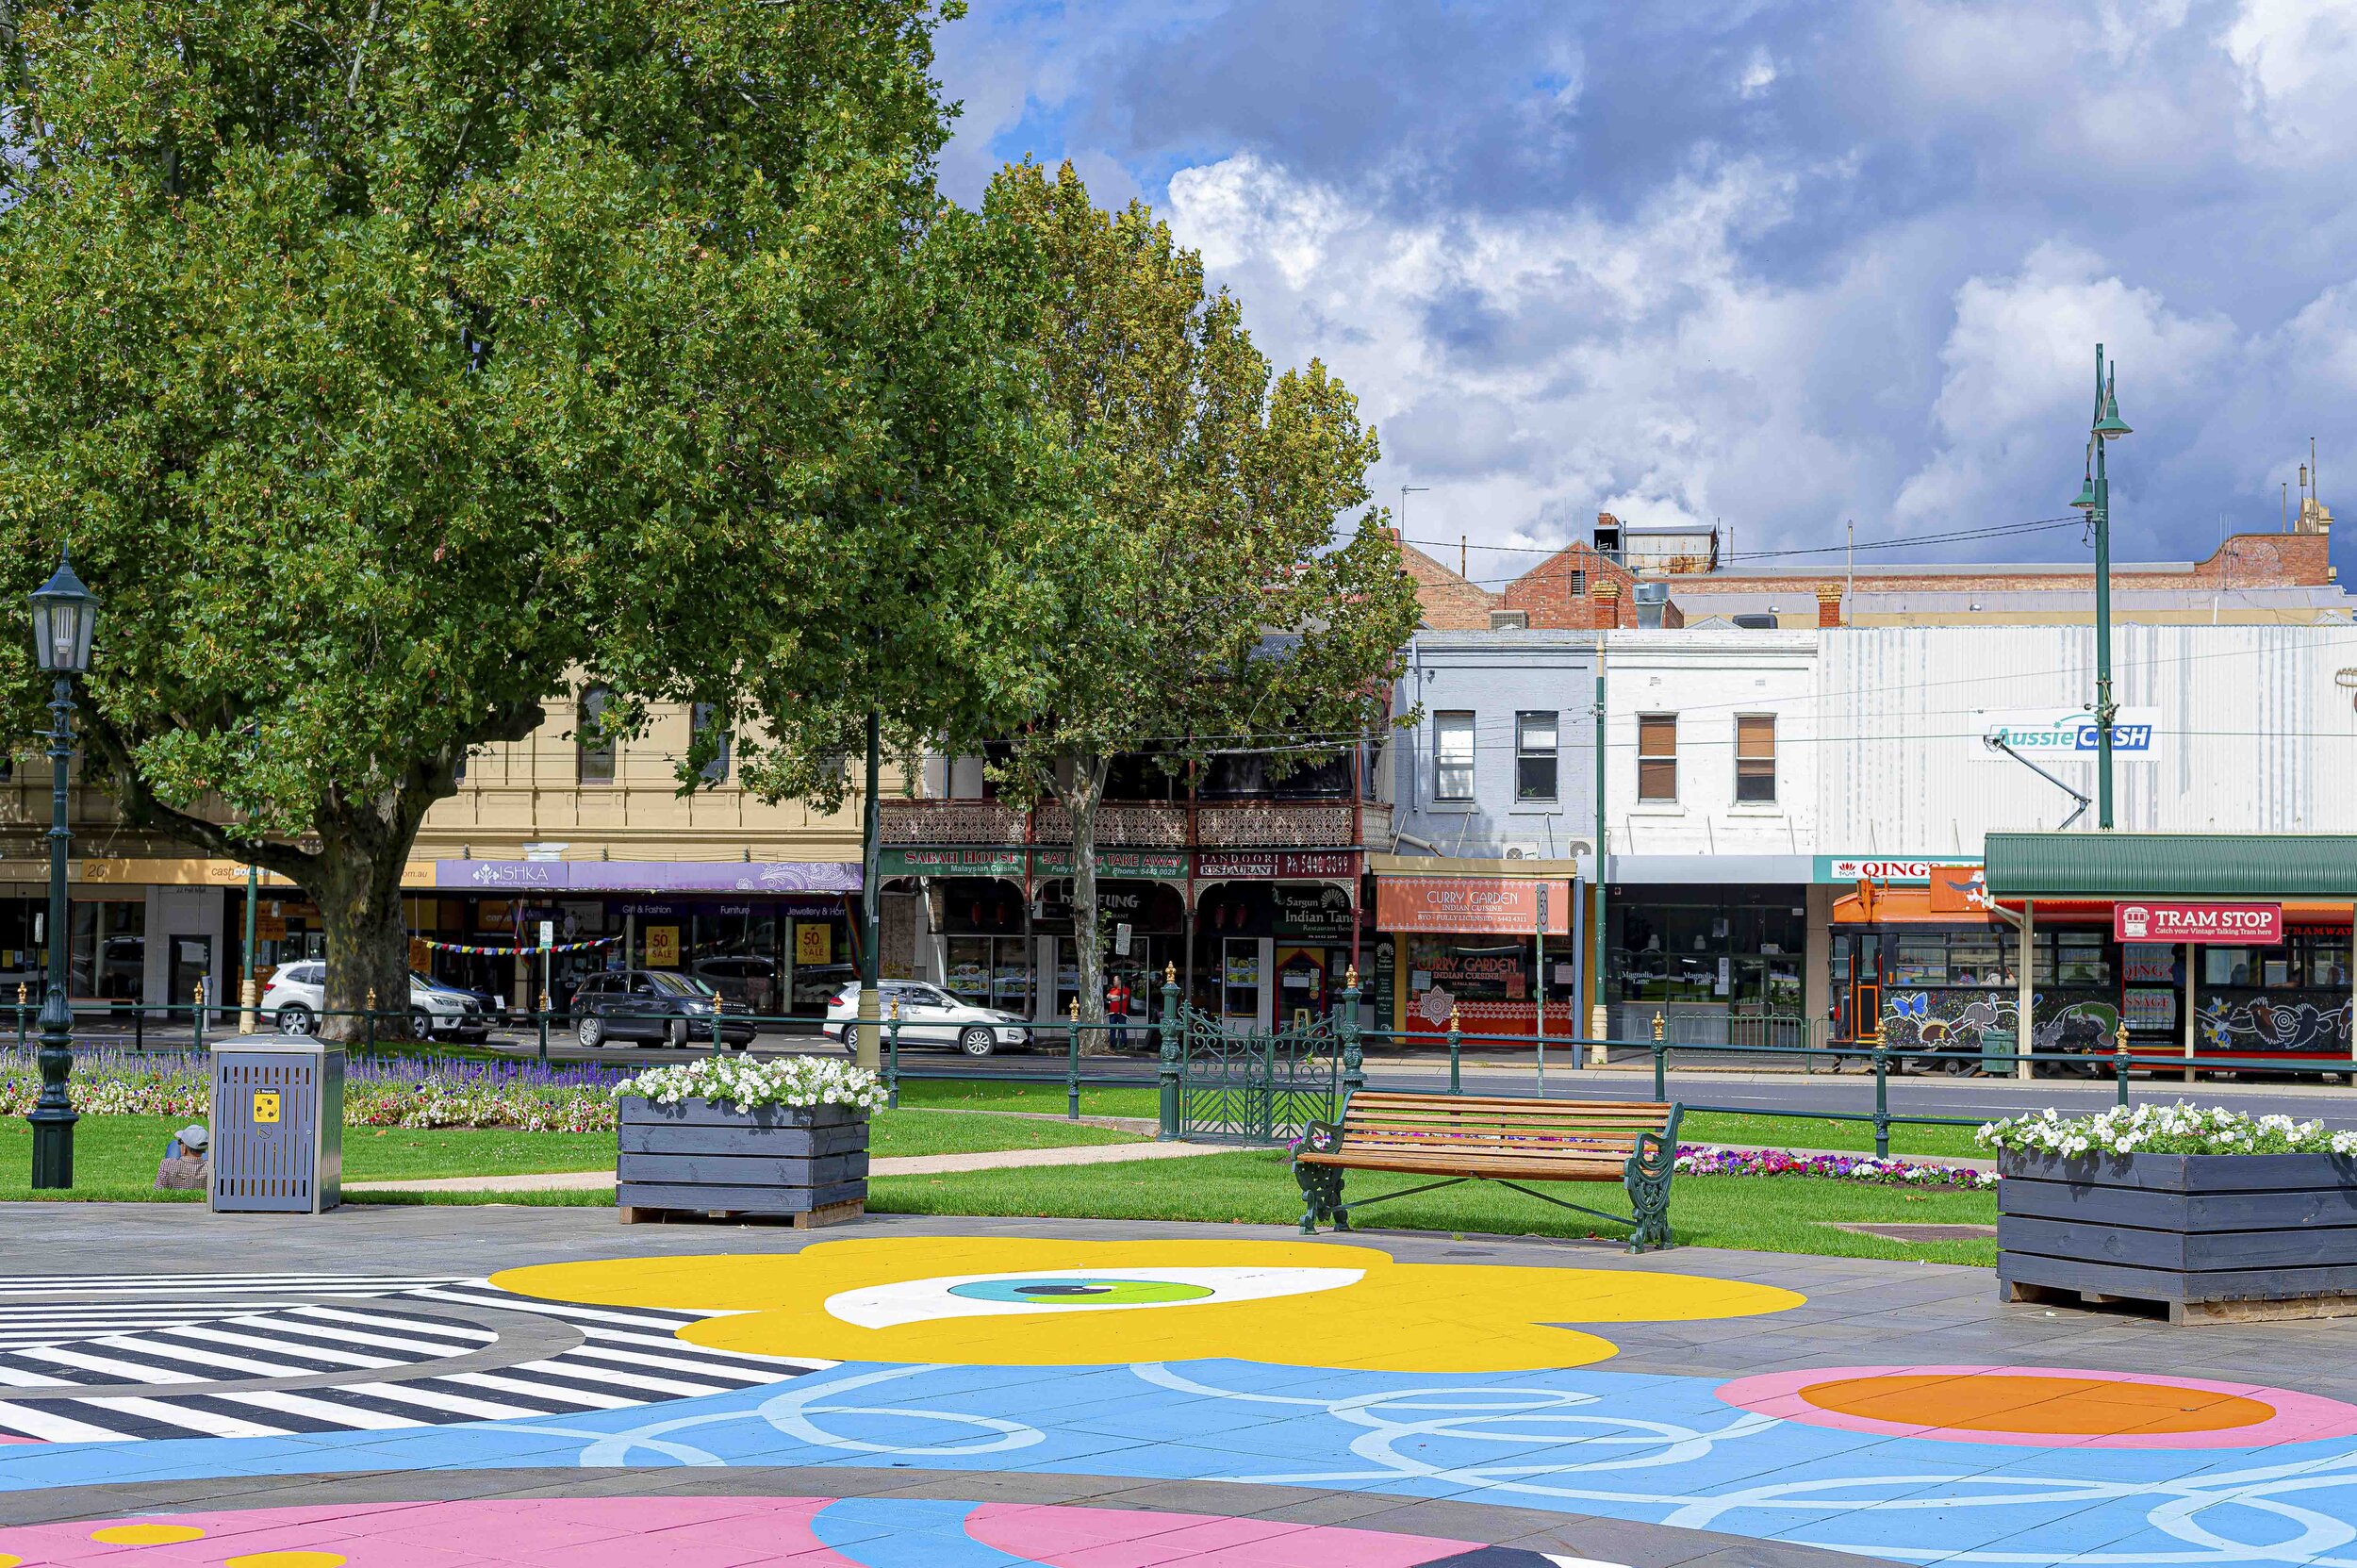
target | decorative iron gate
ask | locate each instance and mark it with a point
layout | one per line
(1259, 1088)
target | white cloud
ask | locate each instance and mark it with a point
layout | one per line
(2298, 59)
(2019, 375)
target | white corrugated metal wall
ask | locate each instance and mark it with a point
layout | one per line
(2256, 735)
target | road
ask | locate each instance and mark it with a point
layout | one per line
(1852, 1092)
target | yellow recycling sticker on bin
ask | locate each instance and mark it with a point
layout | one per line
(265, 1106)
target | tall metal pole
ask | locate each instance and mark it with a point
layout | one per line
(247, 986)
(2105, 709)
(1599, 1016)
(52, 1115)
(870, 967)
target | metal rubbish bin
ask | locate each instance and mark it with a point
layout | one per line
(278, 1124)
(1997, 1052)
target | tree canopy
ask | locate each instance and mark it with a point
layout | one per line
(1204, 600)
(392, 366)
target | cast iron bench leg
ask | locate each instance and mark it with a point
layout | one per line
(1647, 1180)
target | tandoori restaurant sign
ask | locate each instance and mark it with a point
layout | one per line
(1477, 904)
(2260, 925)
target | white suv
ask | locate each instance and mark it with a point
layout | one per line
(929, 1016)
(297, 995)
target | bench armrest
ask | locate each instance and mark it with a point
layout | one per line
(1657, 1155)
(1320, 1138)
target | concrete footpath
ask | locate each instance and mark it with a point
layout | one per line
(911, 1165)
(1004, 1159)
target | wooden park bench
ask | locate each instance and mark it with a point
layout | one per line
(1509, 1141)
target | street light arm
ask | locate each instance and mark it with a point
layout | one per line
(1999, 743)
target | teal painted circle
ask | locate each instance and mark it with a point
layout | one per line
(1081, 1291)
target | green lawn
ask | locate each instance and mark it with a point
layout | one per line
(1764, 1213)
(1821, 1133)
(968, 1094)
(114, 1157)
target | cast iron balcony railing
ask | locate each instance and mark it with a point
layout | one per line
(1138, 824)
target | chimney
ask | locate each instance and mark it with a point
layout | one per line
(1828, 603)
(1607, 540)
(1607, 594)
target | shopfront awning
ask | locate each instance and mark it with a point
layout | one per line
(2274, 867)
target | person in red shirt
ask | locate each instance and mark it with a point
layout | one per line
(1117, 1011)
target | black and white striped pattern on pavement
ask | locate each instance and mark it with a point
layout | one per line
(626, 1356)
(46, 1309)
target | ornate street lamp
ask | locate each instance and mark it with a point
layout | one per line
(63, 613)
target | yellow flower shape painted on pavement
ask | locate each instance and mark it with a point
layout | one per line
(1000, 1302)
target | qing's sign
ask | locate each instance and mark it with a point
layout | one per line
(1475, 904)
(2259, 925)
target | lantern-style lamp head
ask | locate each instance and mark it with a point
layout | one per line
(2109, 424)
(63, 613)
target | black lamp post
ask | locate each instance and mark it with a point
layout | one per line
(63, 613)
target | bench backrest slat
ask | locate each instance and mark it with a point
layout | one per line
(1524, 1129)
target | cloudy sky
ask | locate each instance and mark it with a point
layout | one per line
(1783, 265)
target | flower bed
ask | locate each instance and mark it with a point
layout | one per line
(723, 1135)
(389, 1091)
(1703, 1160)
(750, 1083)
(2210, 1213)
(2171, 1128)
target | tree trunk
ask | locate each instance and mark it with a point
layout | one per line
(1082, 796)
(368, 939)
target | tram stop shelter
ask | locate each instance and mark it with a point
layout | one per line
(2230, 946)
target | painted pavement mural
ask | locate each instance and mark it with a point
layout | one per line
(947, 1385)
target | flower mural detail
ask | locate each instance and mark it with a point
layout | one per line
(1003, 1303)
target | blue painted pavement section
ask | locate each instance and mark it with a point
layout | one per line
(1660, 1449)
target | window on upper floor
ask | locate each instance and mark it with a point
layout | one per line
(1509, 621)
(700, 719)
(593, 756)
(1534, 756)
(1656, 756)
(1452, 756)
(1755, 757)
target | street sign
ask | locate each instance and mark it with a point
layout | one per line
(1121, 939)
(2260, 925)
(548, 934)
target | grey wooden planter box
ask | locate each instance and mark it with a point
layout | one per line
(2209, 1236)
(709, 1157)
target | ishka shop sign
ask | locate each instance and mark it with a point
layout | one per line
(1478, 904)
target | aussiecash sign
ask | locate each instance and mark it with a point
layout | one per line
(2071, 734)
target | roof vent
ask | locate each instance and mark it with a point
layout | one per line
(1648, 597)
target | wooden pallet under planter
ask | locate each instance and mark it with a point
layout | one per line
(2210, 1237)
(705, 1158)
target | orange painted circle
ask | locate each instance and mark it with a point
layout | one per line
(2049, 1407)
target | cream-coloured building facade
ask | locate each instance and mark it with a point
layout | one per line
(599, 843)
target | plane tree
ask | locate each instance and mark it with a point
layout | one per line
(394, 367)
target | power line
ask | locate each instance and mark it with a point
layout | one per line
(2038, 525)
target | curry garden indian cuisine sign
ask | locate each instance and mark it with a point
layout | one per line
(2259, 925)
(1472, 904)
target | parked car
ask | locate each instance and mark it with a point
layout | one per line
(297, 995)
(656, 1005)
(492, 1005)
(929, 1016)
(744, 977)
